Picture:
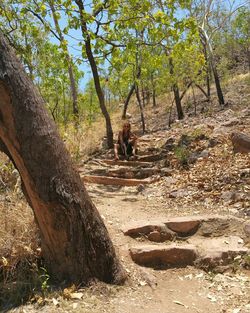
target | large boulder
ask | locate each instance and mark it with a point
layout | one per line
(241, 142)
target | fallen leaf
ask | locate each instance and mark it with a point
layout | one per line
(76, 295)
(180, 303)
(55, 302)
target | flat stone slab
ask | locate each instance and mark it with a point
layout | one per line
(206, 226)
(129, 173)
(151, 157)
(164, 255)
(126, 163)
(184, 224)
(204, 253)
(218, 251)
(106, 180)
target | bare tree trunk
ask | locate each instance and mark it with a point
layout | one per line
(96, 77)
(132, 88)
(70, 67)
(206, 42)
(141, 109)
(217, 81)
(153, 90)
(75, 242)
(207, 72)
(176, 93)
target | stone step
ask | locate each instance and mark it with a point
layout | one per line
(130, 173)
(152, 157)
(203, 253)
(218, 251)
(206, 226)
(126, 163)
(164, 255)
(106, 180)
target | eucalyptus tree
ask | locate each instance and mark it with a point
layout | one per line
(75, 243)
(206, 14)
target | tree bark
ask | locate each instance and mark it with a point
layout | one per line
(208, 48)
(132, 88)
(70, 67)
(153, 90)
(177, 98)
(92, 62)
(75, 243)
(141, 109)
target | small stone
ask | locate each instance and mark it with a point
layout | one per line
(140, 188)
(247, 230)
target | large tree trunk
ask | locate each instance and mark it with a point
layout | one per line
(75, 242)
(95, 74)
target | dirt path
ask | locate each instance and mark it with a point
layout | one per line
(216, 183)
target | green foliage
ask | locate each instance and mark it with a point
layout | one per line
(124, 37)
(182, 154)
(44, 280)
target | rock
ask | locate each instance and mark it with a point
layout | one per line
(154, 236)
(169, 144)
(184, 225)
(140, 188)
(212, 142)
(247, 229)
(181, 193)
(161, 236)
(143, 228)
(204, 154)
(231, 122)
(193, 157)
(185, 140)
(241, 143)
(214, 226)
(220, 251)
(228, 195)
(167, 255)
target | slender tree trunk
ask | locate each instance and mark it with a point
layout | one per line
(153, 90)
(207, 72)
(217, 81)
(195, 106)
(73, 86)
(141, 109)
(176, 93)
(205, 41)
(75, 242)
(95, 74)
(132, 88)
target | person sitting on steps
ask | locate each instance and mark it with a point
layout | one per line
(126, 144)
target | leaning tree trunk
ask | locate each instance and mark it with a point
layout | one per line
(208, 48)
(176, 92)
(137, 92)
(132, 88)
(217, 81)
(75, 243)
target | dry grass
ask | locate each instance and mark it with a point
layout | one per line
(18, 240)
